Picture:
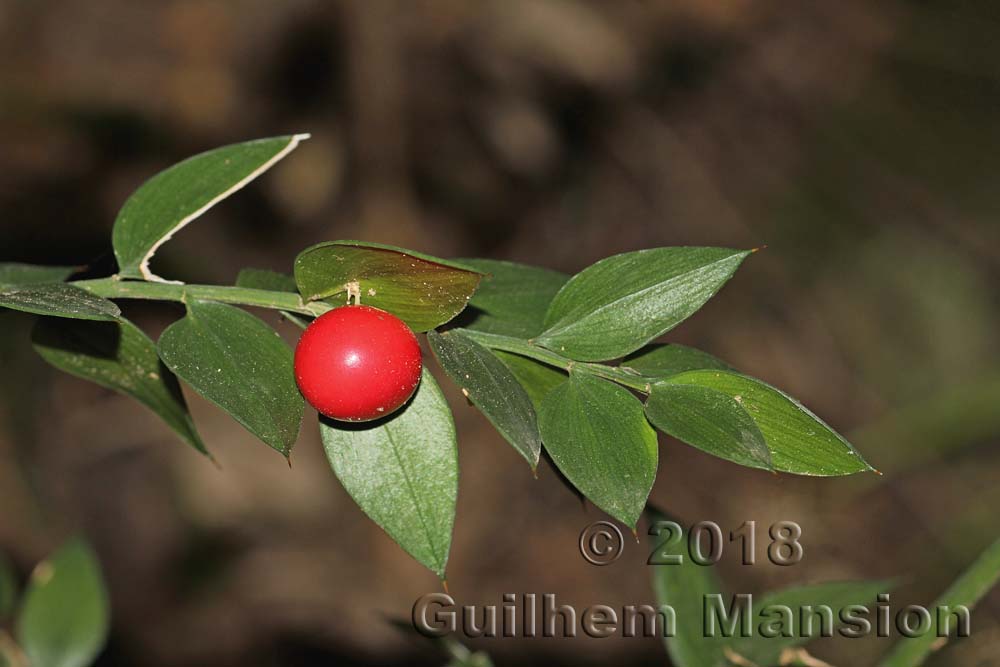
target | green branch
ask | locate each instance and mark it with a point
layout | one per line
(113, 288)
(622, 375)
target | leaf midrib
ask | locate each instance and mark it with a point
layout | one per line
(413, 498)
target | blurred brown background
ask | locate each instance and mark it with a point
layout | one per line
(858, 140)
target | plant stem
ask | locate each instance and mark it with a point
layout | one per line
(113, 288)
(526, 348)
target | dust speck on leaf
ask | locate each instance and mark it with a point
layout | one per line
(43, 572)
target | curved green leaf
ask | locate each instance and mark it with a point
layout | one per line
(710, 420)
(492, 388)
(63, 621)
(513, 298)
(423, 291)
(597, 435)
(683, 586)
(174, 197)
(619, 304)
(799, 441)
(58, 300)
(977, 580)
(15, 273)
(239, 363)
(762, 650)
(536, 378)
(664, 360)
(119, 356)
(403, 472)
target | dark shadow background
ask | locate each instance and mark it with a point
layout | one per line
(858, 140)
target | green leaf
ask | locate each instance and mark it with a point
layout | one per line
(799, 441)
(762, 650)
(15, 273)
(710, 420)
(174, 197)
(266, 279)
(492, 388)
(58, 300)
(513, 298)
(460, 656)
(239, 363)
(619, 304)
(536, 378)
(683, 586)
(599, 438)
(8, 588)
(119, 356)
(63, 621)
(423, 291)
(970, 587)
(402, 470)
(274, 282)
(661, 361)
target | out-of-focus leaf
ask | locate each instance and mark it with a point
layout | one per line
(119, 356)
(513, 298)
(938, 426)
(619, 304)
(762, 650)
(239, 363)
(536, 378)
(15, 273)
(661, 361)
(710, 420)
(598, 436)
(977, 580)
(176, 196)
(460, 656)
(58, 300)
(683, 586)
(492, 388)
(423, 291)
(63, 621)
(402, 470)
(799, 441)
(8, 588)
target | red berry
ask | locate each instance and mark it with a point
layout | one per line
(357, 363)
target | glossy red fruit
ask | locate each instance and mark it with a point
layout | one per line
(357, 363)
